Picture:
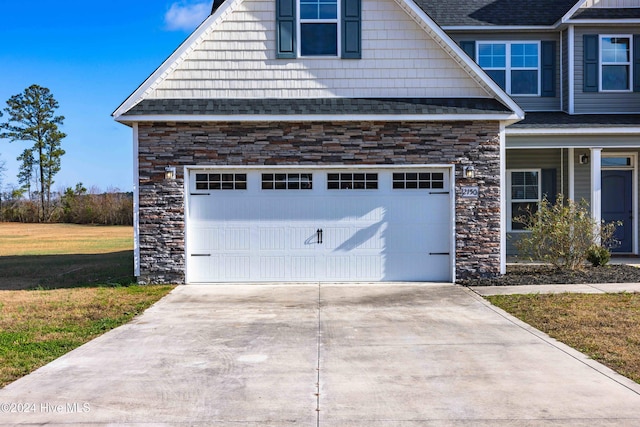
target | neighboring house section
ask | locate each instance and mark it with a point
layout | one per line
(299, 140)
(574, 67)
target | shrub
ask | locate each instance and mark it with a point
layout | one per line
(598, 255)
(563, 233)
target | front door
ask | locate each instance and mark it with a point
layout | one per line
(617, 205)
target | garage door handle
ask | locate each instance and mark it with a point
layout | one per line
(438, 253)
(200, 254)
(199, 194)
(438, 192)
(319, 235)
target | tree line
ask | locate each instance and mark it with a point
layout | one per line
(73, 205)
(31, 119)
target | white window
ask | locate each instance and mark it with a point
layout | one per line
(514, 66)
(318, 27)
(524, 195)
(615, 63)
(221, 181)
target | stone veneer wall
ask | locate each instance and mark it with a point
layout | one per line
(161, 230)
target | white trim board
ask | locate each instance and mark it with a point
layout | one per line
(511, 118)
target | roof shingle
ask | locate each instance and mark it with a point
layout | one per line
(323, 106)
(495, 12)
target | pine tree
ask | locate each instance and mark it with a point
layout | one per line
(31, 118)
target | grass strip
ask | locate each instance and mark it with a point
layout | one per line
(605, 327)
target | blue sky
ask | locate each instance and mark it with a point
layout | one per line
(91, 55)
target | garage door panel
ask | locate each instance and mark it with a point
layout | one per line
(235, 267)
(272, 238)
(303, 267)
(273, 267)
(302, 238)
(237, 238)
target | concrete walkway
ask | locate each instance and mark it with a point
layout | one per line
(600, 288)
(309, 355)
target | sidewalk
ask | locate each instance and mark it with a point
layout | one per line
(594, 288)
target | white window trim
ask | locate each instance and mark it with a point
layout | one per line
(336, 21)
(510, 201)
(629, 63)
(507, 69)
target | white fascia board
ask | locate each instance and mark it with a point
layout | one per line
(463, 59)
(567, 16)
(175, 59)
(576, 131)
(604, 21)
(319, 118)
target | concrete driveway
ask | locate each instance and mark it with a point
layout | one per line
(329, 355)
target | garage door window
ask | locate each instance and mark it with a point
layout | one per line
(414, 180)
(352, 181)
(221, 181)
(287, 181)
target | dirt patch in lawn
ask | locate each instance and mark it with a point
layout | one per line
(533, 274)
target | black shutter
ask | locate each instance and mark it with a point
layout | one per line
(548, 68)
(636, 63)
(590, 62)
(286, 28)
(549, 185)
(351, 29)
(469, 48)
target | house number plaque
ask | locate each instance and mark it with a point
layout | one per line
(470, 192)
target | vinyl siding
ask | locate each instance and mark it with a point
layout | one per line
(527, 103)
(601, 102)
(237, 60)
(534, 159)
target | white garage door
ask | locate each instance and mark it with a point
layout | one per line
(317, 225)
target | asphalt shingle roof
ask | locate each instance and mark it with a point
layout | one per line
(323, 106)
(597, 13)
(559, 120)
(495, 12)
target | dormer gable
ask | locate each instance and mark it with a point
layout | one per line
(234, 55)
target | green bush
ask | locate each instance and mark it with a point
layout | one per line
(598, 255)
(563, 233)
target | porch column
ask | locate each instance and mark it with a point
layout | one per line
(572, 174)
(596, 184)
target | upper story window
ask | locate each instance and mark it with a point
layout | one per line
(514, 66)
(615, 63)
(318, 27)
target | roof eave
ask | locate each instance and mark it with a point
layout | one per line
(502, 117)
(604, 21)
(581, 130)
